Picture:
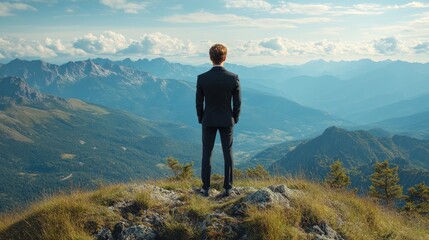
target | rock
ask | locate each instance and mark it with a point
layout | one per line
(262, 198)
(323, 231)
(167, 197)
(153, 218)
(104, 234)
(219, 224)
(138, 232)
(284, 190)
(118, 230)
(265, 197)
(243, 190)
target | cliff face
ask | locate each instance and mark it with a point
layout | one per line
(267, 209)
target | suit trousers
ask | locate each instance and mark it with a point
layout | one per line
(226, 137)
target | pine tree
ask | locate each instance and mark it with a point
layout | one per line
(337, 177)
(385, 183)
(418, 199)
(180, 172)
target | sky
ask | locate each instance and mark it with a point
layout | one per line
(256, 32)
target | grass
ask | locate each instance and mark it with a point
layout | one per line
(81, 214)
(270, 224)
(57, 218)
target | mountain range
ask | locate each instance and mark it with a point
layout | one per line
(83, 122)
(49, 143)
(266, 118)
(361, 92)
(358, 151)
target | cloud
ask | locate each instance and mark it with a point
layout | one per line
(275, 44)
(278, 46)
(15, 48)
(233, 20)
(107, 43)
(255, 4)
(125, 5)
(421, 47)
(203, 17)
(55, 45)
(310, 9)
(158, 44)
(6, 8)
(389, 45)
(115, 45)
(409, 5)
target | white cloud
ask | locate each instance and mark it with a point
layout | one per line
(278, 46)
(410, 5)
(389, 45)
(275, 44)
(107, 43)
(6, 8)
(422, 47)
(55, 45)
(111, 44)
(15, 48)
(158, 44)
(255, 4)
(203, 17)
(125, 5)
(310, 9)
(233, 20)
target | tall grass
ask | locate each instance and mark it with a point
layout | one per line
(80, 214)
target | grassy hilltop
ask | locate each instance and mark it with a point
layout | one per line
(174, 209)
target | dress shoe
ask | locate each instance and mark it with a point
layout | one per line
(226, 193)
(206, 192)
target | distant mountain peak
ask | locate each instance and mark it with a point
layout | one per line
(15, 88)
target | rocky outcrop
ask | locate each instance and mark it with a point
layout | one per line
(226, 222)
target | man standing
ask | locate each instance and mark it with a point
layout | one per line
(216, 90)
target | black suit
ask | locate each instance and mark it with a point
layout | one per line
(216, 90)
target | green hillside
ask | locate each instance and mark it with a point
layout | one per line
(49, 143)
(358, 151)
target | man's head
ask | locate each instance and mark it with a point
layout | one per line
(218, 54)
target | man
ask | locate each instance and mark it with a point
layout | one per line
(216, 90)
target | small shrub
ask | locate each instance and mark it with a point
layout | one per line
(180, 172)
(259, 172)
(337, 177)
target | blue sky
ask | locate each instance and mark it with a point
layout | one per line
(255, 31)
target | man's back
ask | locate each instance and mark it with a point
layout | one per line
(217, 88)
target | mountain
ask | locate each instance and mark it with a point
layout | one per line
(49, 143)
(391, 83)
(319, 92)
(368, 88)
(398, 109)
(266, 119)
(159, 67)
(358, 151)
(110, 85)
(341, 69)
(416, 125)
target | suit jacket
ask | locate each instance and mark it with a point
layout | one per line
(216, 90)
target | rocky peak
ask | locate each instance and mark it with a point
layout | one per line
(17, 89)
